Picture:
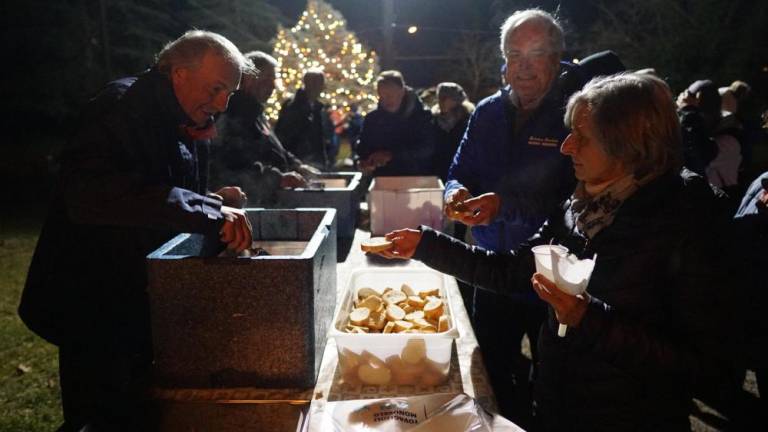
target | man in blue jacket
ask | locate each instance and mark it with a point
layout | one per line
(133, 176)
(510, 157)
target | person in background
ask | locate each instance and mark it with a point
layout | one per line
(247, 152)
(752, 136)
(653, 324)
(702, 121)
(132, 177)
(509, 160)
(699, 112)
(338, 128)
(728, 102)
(396, 139)
(354, 127)
(303, 125)
(449, 116)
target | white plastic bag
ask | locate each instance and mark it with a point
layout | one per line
(437, 412)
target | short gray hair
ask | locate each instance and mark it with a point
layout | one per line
(260, 61)
(451, 90)
(635, 119)
(391, 77)
(189, 50)
(556, 39)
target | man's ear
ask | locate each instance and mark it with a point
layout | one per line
(179, 75)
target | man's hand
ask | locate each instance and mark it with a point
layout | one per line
(569, 309)
(232, 196)
(762, 202)
(291, 180)
(374, 160)
(685, 99)
(404, 243)
(236, 231)
(454, 207)
(366, 167)
(480, 210)
(308, 171)
(380, 158)
(762, 198)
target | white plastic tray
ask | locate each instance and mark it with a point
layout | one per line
(385, 346)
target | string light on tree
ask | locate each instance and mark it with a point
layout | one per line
(321, 40)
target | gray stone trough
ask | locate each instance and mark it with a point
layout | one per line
(340, 190)
(245, 322)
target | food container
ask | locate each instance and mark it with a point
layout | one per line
(405, 202)
(388, 349)
(259, 321)
(339, 190)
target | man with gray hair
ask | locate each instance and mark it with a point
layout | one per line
(509, 160)
(133, 176)
(247, 152)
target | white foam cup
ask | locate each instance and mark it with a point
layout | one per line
(543, 257)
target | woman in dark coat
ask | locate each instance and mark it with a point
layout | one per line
(449, 117)
(649, 330)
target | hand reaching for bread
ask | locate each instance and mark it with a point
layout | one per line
(399, 244)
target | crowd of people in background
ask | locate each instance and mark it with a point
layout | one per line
(721, 126)
(672, 197)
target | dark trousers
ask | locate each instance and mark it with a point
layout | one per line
(500, 323)
(103, 388)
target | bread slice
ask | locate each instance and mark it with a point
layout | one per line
(375, 245)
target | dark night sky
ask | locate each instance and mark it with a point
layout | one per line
(439, 21)
(440, 17)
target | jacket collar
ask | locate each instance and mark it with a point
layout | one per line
(245, 106)
(410, 103)
(156, 86)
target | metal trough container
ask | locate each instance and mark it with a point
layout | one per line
(339, 190)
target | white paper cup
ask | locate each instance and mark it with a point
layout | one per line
(543, 257)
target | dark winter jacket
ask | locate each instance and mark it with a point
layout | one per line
(448, 136)
(655, 327)
(522, 163)
(406, 133)
(305, 129)
(699, 146)
(247, 153)
(128, 183)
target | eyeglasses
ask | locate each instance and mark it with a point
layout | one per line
(537, 55)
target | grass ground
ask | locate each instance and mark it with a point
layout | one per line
(29, 386)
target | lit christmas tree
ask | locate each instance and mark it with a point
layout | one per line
(320, 40)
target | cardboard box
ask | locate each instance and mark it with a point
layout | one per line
(405, 202)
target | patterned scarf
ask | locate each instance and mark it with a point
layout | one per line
(593, 213)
